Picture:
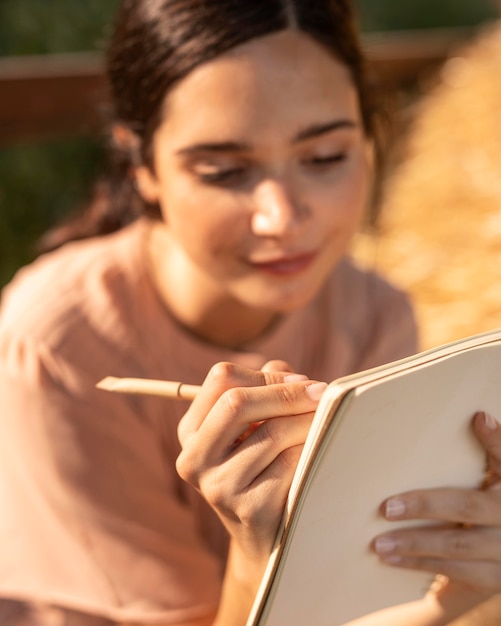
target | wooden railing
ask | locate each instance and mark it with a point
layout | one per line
(49, 96)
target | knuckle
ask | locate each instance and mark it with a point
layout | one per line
(214, 492)
(469, 507)
(247, 512)
(459, 543)
(235, 400)
(219, 496)
(288, 459)
(186, 468)
(207, 482)
(270, 430)
(183, 431)
(221, 374)
(286, 396)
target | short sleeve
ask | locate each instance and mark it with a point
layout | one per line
(93, 514)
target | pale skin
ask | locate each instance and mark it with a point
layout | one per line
(262, 168)
(262, 184)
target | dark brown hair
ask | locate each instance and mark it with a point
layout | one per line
(156, 43)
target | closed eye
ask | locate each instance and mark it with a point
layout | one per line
(223, 177)
(328, 159)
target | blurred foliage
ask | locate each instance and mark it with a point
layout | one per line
(39, 185)
(42, 182)
(414, 14)
(53, 26)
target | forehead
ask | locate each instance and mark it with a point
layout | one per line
(274, 85)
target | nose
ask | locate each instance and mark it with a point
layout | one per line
(276, 211)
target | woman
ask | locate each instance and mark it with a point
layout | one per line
(247, 146)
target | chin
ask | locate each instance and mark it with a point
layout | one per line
(283, 294)
(285, 301)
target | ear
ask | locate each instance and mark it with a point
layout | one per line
(147, 184)
(127, 141)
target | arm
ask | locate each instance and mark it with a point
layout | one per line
(89, 488)
(245, 476)
(239, 589)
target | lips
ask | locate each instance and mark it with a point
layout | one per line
(286, 266)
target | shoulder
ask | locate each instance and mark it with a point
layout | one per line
(367, 292)
(376, 314)
(77, 294)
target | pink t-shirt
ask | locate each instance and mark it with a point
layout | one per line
(93, 515)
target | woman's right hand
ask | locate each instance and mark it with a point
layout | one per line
(241, 440)
(245, 473)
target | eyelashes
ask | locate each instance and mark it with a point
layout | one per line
(241, 174)
(328, 159)
(224, 176)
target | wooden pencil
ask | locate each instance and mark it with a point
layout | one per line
(149, 387)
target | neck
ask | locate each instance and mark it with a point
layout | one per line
(195, 299)
(228, 325)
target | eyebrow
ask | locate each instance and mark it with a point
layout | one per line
(317, 130)
(310, 132)
(221, 146)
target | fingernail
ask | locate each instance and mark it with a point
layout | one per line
(295, 378)
(490, 422)
(394, 508)
(383, 545)
(316, 390)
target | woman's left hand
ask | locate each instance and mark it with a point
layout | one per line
(466, 548)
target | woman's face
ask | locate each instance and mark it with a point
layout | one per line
(261, 170)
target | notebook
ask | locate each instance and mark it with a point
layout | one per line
(402, 426)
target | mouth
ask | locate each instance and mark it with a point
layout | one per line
(286, 266)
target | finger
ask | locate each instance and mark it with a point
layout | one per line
(272, 485)
(262, 460)
(488, 432)
(457, 543)
(261, 505)
(265, 444)
(465, 506)
(231, 416)
(239, 407)
(221, 377)
(278, 365)
(484, 575)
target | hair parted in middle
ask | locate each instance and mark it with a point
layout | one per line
(156, 43)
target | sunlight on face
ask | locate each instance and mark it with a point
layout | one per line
(261, 172)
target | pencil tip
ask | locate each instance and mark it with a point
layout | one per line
(107, 383)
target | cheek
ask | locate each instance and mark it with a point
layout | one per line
(204, 225)
(344, 203)
(353, 194)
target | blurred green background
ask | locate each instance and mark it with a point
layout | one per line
(41, 182)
